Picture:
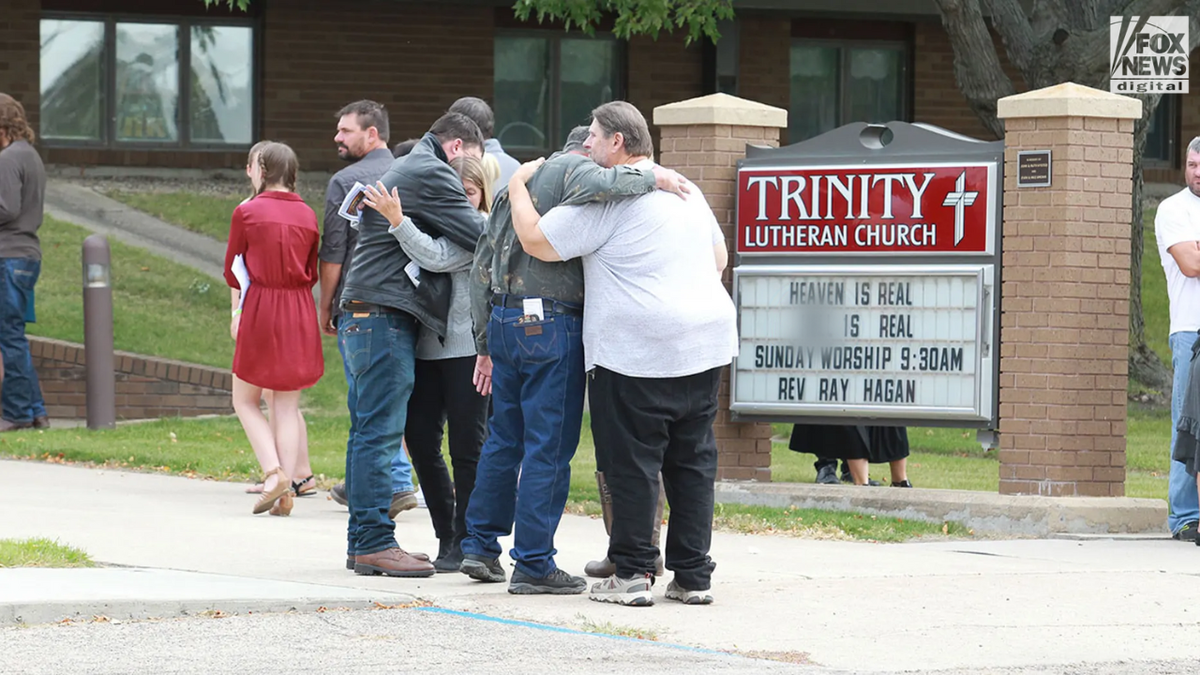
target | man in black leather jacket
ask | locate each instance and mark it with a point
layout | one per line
(385, 295)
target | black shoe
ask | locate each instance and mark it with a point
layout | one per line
(903, 483)
(827, 475)
(338, 492)
(482, 568)
(1188, 532)
(450, 559)
(870, 481)
(557, 583)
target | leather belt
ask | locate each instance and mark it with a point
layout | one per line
(550, 305)
(357, 307)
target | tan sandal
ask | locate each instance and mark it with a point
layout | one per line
(268, 499)
(283, 507)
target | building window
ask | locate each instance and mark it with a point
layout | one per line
(838, 83)
(545, 85)
(173, 83)
(1163, 134)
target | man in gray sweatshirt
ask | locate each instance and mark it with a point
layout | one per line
(22, 192)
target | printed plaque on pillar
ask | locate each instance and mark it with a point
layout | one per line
(866, 280)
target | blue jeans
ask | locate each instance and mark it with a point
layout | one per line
(1182, 502)
(21, 394)
(401, 466)
(380, 353)
(537, 411)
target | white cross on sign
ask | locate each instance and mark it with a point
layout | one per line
(959, 199)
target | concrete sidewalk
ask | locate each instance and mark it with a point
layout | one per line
(848, 605)
(87, 208)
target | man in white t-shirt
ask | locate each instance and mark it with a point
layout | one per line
(658, 328)
(1177, 228)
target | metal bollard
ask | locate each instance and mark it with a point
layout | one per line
(98, 334)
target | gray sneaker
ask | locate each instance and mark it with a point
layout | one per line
(482, 568)
(634, 592)
(557, 583)
(402, 501)
(677, 592)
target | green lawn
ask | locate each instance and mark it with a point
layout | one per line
(160, 308)
(40, 553)
(205, 214)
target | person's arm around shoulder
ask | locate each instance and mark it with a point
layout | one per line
(525, 217)
(10, 188)
(435, 255)
(590, 182)
(1170, 227)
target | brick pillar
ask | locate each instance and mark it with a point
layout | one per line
(20, 54)
(1065, 297)
(703, 138)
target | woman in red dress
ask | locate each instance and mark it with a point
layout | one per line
(278, 341)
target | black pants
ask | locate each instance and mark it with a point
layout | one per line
(643, 426)
(443, 391)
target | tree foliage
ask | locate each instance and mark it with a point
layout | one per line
(696, 18)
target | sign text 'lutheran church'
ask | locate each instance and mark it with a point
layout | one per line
(866, 278)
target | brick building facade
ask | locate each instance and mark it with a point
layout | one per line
(307, 58)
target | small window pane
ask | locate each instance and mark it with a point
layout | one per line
(588, 77)
(72, 76)
(147, 94)
(222, 84)
(522, 92)
(874, 80)
(1161, 132)
(814, 105)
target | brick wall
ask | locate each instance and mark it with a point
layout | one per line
(415, 58)
(764, 62)
(20, 45)
(708, 154)
(662, 71)
(1065, 324)
(146, 387)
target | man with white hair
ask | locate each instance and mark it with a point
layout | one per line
(658, 328)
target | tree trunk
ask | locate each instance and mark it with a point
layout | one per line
(1145, 366)
(1082, 57)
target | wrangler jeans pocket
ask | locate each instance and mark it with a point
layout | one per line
(538, 341)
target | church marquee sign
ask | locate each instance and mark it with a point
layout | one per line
(867, 279)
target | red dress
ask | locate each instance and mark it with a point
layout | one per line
(278, 342)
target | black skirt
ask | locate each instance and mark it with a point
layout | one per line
(876, 444)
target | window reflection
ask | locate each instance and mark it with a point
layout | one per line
(522, 92)
(221, 106)
(72, 69)
(147, 93)
(587, 77)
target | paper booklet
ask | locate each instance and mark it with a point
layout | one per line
(243, 277)
(350, 204)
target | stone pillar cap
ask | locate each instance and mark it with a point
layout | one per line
(720, 109)
(1068, 100)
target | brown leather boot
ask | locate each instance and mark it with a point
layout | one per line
(392, 562)
(602, 569)
(656, 535)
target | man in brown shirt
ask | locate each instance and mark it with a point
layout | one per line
(22, 192)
